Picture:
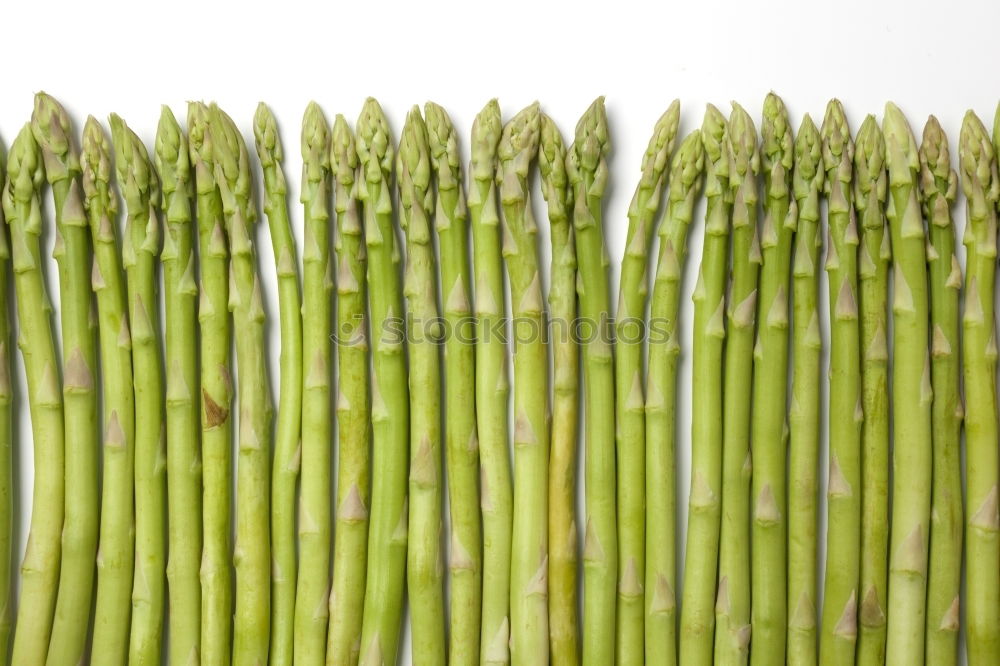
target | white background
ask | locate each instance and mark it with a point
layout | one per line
(130, 57)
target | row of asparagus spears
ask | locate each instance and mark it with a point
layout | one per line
(402, 287)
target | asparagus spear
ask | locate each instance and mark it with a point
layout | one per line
(704, 516)
(869, 202)
(311, 604)
(40, 566)
(216, 396)
(465, 559)
(911, 381)
(769, 432)
(629, 399)
(529, 559)
(564, 630)
(140, 247)
(840, 599)
(732, 610)
(353, 408)
(51, 127)
(492, 389)
(981, 187)
(387, 534)
(6, 435)
(588, 173)
(686, 177)
(424, 556)
(938, 186)
(285, 470)
(115, 560)
(252, 555)
(183, 428)
(804, 414)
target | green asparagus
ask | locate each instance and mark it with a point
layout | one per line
(529, 556)
(40, 566)
(686, 177)
(938, 186)
(873, 270)
(911, 381)
(804, 413)
(181, 363)
(52, 129)
(564, 629)
(424, 557)
(353, 408)
(704, 511)
(630, 403)
(285, 469)
(140, 248)
(465, 560)
(216, 396)
(6, 435)
(588, 173)
(116, 558)
(769, 431)
(311, 603)
(252, 556)
(387, 537)
(732, 610)
(492, 388)
(981, 187)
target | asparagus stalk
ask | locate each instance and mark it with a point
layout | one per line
(529, 558)
(981, 187)
(704, 515)
(843, 539)
(938, 186)
(911, 381)
(216, 396)
(732, 610)
(804, 414)
(51, 127)
(492, 389)
(285, 470)
(564, 630)
(869, 203)
(116, 559)
(140, 247)
(252, 557)
(40, 566)
(6, 435)
(183, 427)
(387, 535)
(686, 177)
(465, 560)
(353, 408)
(629, 399)
(588, 173)
(424, 556)
(311, 603)
(769, 431)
